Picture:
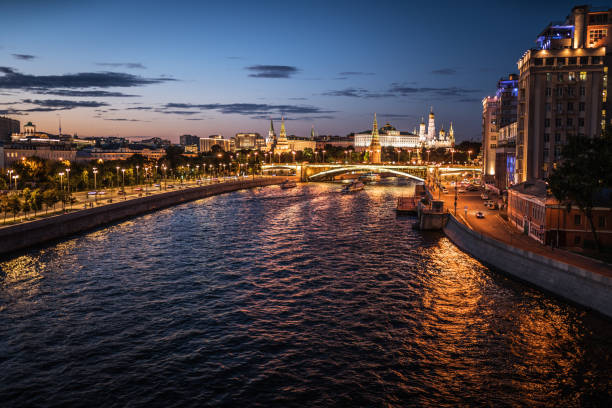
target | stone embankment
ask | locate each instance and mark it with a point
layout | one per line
(21, 236)
(581, 286)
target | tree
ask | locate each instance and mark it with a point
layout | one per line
(584, 172)
(36, 201)
(5, 207)
(50, 198)
(14, 205)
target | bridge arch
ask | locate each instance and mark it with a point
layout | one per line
(341, 170)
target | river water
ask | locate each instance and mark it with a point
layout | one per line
(301, 297)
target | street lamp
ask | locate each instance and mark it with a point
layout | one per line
(123, 183)
(323, 156)
(61, 181)
(10, 174)
(95, 173)
(68, 180)
(137, 167)
(15, 177)
(452, 155)
(469, 155)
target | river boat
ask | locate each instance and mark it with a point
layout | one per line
(407, 205)
(353, 186)
(288, 184)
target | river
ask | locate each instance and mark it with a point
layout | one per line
(300, 297)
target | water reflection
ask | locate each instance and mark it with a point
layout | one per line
(273, 297)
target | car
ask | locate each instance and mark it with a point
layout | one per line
(479, 214)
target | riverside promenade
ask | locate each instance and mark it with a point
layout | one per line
(20, 236)
(494, 241)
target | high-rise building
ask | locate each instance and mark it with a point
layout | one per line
(563, 89)
(188, 140)
(8, 126)
(490, 108)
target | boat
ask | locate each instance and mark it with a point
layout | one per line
(353, 186)
(370, 177)
(407, 205)
(288, 184)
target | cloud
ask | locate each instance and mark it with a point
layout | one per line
(272, 71)
(15, 80)
(90, 94)
(453, 91)
(395, 115)
(59, 104)
(444, 71)
(122, 120)
(24, 57)
(177, 112)
(131, 65)
(194, 119)
(265, 117)
(248, 109)
(357, 93)
(297, 99)
(355, 73)
(141, 108)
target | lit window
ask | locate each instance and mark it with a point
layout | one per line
(583, 76)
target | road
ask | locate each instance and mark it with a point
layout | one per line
(494, 226)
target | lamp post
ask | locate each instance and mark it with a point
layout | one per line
(10, 174)
(95, 173)
(469, 155)
(452, 155)
(123, 183)
(15, 177)
(323, 156)
(61, 181)
(137, 167)
(164, 168)
(428, 150)
(68, 179)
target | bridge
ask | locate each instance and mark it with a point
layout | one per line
(326, 171)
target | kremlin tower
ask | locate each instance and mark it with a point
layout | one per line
(375, 148)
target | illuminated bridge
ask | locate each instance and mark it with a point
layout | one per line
(325, 171)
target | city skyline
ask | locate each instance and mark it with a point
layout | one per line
(216, 69)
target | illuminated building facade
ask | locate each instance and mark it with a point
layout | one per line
(8, 126)
(489, 135)
(563, 88)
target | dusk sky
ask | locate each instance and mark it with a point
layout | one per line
(166, 68)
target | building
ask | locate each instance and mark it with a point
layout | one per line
(505, 156)
(490, 107)
(191, 149)
(8, 126)
(336, 141)
(188, 140)
(562, 89)
(388, 136)
(427, 135)
(121, 153)
(30, 135)
(281, 144)
(249, 141)
(532, 210)
(507, 99)
(206, 143)
(375, 148)
(298, 144)
(12, 153)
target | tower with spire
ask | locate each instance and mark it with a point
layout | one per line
(375, 148)
(312, 133)
(282, 144)
(431, 127)
(422, 137)
(451, 135)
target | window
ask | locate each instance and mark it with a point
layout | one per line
(546, 154)
(548, 77)
(550, 61)
(570, 122)
(601, 221)
(570, 91)
(560, 61)
(559, 91)
(577, 219)
(558, 122)
(570, 106)
(559, 107)
(584, 60)
(571, 76)
(560, 75)
(571, 61)
(577, 240)
(493, 146)
(583, 76)
(546, 123)
(539, 61)
(557, 137)
(581, 106)
(546, 137)
(581, 122)
(557, 152)
(595, 60)
(547, 107)
(596, 35)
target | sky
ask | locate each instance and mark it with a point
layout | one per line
(166, 68)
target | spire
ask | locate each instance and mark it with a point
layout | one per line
(271, 126)
(375, 126)
(422, 120)
(312, 133)
(375, 147)
(283, 132)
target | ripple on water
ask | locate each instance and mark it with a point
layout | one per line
(302, 297)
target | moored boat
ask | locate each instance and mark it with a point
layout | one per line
(288, 184)
(407, 205)
(353, 186)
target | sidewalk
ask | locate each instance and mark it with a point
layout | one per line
(495, 227)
